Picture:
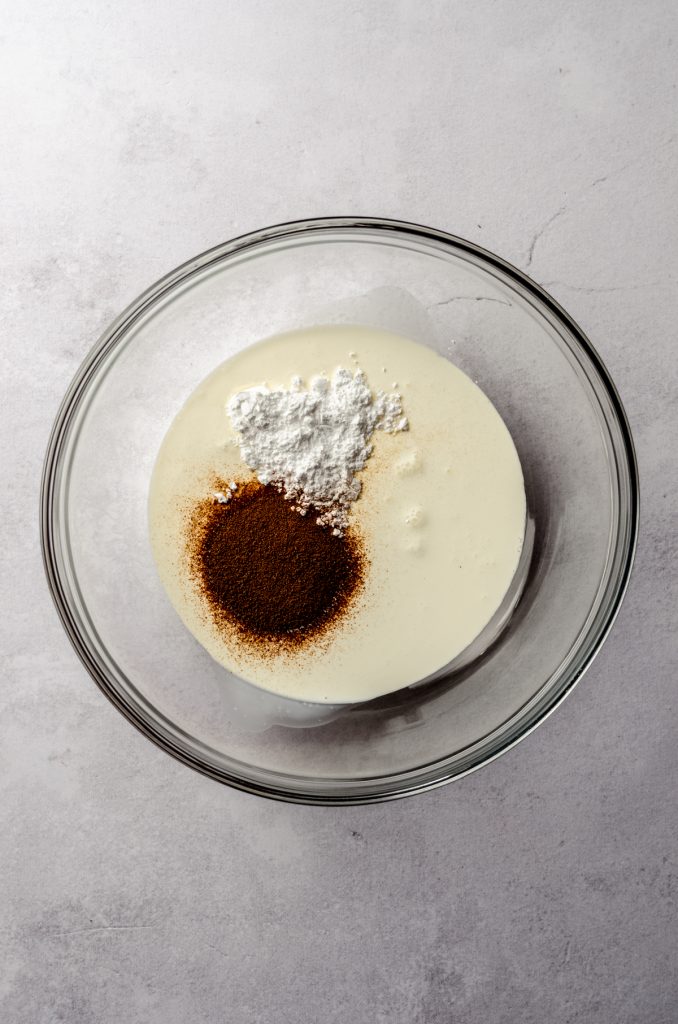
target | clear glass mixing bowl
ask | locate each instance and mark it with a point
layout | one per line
(510, 336)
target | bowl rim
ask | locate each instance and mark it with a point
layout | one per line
(374, 790)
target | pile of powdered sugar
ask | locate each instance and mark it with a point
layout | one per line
(311, 442)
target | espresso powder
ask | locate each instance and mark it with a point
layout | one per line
(268, 570)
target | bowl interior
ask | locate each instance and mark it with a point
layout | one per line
(523, 352)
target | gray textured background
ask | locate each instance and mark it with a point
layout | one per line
(543, 888)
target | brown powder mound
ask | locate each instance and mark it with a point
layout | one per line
(268, 570)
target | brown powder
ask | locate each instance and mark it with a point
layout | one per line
(270, 572)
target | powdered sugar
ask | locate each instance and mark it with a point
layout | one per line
(223, 497)
(311, 442)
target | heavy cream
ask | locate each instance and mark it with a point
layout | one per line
(441, 513)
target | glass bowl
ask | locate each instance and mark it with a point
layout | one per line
(497, 325)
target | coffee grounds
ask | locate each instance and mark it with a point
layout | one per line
(268, 570)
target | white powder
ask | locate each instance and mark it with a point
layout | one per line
(223, 497)
(311, 442)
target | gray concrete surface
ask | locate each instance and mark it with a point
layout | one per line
(541, 889)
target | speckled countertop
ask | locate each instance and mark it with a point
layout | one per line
(543, 888)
